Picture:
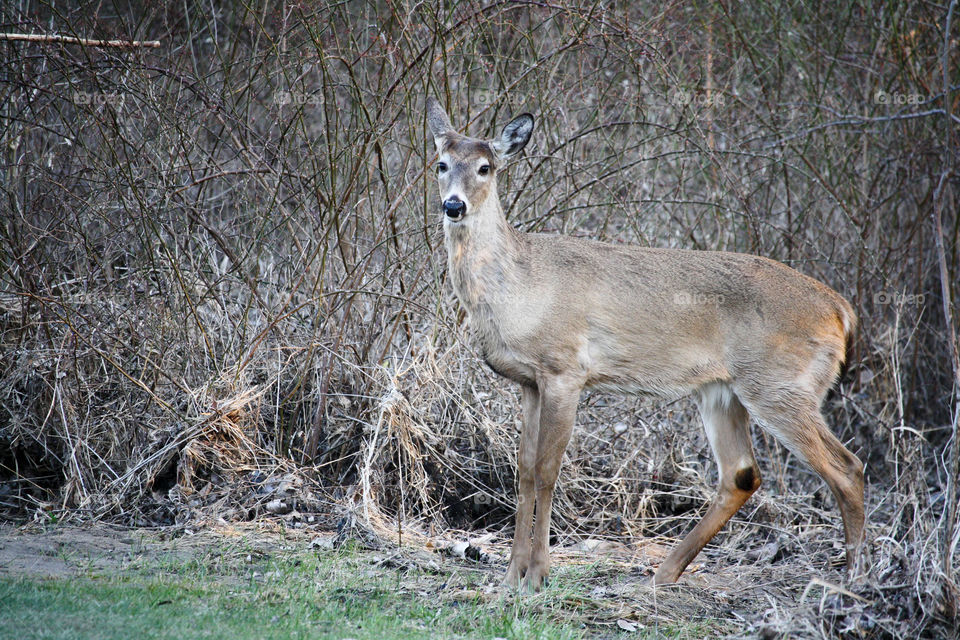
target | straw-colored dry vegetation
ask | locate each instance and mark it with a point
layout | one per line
(223, 289)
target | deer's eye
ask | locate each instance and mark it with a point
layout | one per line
(484, 169)
(441, 167)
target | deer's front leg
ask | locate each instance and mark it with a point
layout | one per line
(526, 456)
(558, 411)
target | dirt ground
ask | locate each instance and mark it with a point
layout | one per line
(64, 552)
(68, 551)
(764, 599)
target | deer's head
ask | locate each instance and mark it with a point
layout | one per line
(467, 167)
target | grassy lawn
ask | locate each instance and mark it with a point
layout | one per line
(238, 593)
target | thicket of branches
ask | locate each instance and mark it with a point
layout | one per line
(222, 258)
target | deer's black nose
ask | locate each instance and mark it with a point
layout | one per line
(454, 208)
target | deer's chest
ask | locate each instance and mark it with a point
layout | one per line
(492, 297)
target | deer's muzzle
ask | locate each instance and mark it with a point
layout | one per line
(454, 208)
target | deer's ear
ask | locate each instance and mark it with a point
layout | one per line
(514, 136)
(438, 121)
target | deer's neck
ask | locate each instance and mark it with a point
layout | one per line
(486, 258)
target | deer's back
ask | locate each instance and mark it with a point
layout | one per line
(665, 321)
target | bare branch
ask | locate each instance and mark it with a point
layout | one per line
(86, 42)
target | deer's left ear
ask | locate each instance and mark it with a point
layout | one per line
(514, 136)
(438, 121)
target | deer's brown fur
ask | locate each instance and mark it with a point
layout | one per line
(745, 335)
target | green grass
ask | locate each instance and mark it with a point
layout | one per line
(239, 595)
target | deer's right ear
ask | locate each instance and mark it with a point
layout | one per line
(437, 120)
(514, 136)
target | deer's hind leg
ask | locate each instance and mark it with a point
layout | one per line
(792, 415)
(728, 429)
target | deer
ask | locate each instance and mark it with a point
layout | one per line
(746, 336)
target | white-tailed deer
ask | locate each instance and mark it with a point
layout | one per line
(747, 336)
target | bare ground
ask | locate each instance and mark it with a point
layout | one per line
(609, 580)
